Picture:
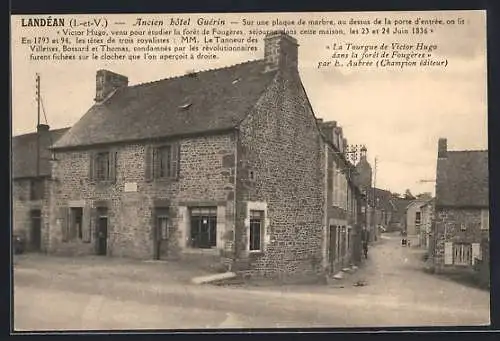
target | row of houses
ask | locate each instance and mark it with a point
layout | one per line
(454, 226)
(228, 164)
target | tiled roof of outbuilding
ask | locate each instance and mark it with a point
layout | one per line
(24, 153)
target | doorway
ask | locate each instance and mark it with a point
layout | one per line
(102, 232)
(36, 230)
(161, 234)
(332, 246)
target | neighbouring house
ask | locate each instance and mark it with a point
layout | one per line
(427, 217)
(363, 179)
(398, 217)
(31, 173)
(413, 223)
(343, 219)
(227, 164)
(461, 227)
(384, 208)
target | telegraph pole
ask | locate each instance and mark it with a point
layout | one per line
(38, 99)
(375, 228)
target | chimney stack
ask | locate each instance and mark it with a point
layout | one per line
(442, 148)
(107, 82)
(280, 51)
(42, 128)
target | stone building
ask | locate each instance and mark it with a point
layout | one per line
(343, 219)
(226, 164)
(31, 173)
(461, 226)
(414, 220)
(363, 179)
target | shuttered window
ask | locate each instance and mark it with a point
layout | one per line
(462, 254)
(102, 166)
(476, 252)
(162, 162)
(448, 253)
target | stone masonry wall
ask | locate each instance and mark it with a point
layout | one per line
(206, 176)
(22, 207)
(280, 158)
(448, 228)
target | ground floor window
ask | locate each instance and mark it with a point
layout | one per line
(256, 228)
(462, 254)
(75, 225)
(203, 227)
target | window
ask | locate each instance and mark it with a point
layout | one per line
(462, 254)
(485, 219)
(256, 230)
(162, 162)
(418, 216)
(162, 227)
(75, 224)
(102, 166)
(37, 188)
(203, 227)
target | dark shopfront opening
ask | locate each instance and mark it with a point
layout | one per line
(203, 227)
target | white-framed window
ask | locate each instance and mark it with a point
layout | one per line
(462, 254)
(256, 224)
(256, 230)
(485, 219)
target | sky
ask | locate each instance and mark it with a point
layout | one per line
(398, 114)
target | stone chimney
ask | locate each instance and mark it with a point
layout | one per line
(280, 52)
(327, 128)
(442, 148)
(107, 82)
(42, 128)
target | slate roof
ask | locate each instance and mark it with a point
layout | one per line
(208, 101)
(384, 199)
(462, 179)
(24, 153)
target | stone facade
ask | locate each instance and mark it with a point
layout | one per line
(454, 226)
(279, 158)
(27, 210)
(206, 178)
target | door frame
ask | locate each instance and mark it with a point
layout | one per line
(160, 237)
(102, 212)
(36, 247)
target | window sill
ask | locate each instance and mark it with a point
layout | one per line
(192, 250)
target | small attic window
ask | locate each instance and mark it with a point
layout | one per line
(185, 105)
(236, 80)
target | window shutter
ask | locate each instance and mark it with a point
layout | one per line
(448, 253)
(63, 219)
(86, 235)
(92, 222)
(174, 171)
(485, 215)
(112, 165)
(156, 163)
(476, 252)
(91, 166)
(148, 163)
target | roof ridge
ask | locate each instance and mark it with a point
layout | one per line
(467, 150)
(35, 132)
(196, 72)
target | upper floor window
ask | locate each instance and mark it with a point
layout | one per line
(418, 217)
(103, 166)
(162, 162)
(37, 188)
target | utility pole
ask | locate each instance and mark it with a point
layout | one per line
(375, 228)
(38, 125)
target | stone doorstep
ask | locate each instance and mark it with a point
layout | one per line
(211, 279)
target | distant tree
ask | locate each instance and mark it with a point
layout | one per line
(408, 195)
(425, 195)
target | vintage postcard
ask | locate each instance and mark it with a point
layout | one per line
(250, 170)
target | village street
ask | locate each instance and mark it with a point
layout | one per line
(103, 293)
